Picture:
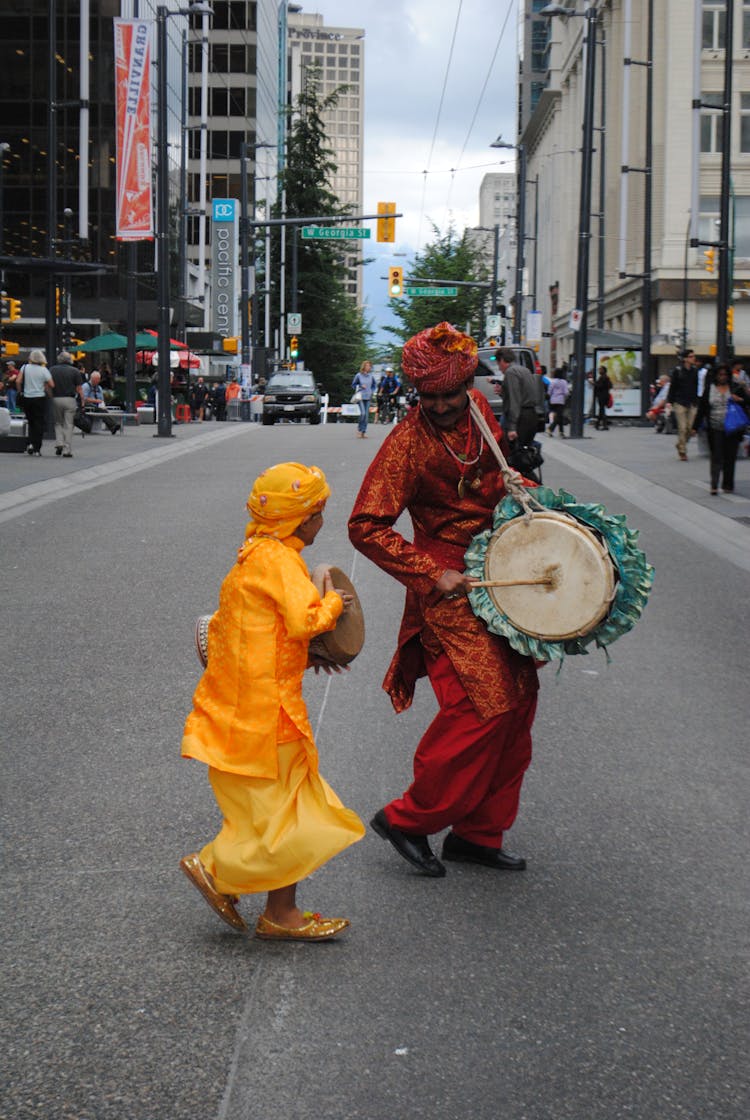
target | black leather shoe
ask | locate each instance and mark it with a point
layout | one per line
(414, 849)
(464, 851)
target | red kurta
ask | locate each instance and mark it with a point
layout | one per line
(415, 471)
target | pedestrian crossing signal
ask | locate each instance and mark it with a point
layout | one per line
(395, 282)
(730, 320)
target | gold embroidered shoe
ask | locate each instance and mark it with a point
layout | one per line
(221, 904)
(316, 929)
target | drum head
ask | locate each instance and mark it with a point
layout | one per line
(341, 645)
(556, 546)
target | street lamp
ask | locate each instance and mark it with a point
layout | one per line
(584, 213)
(520, 232)
(162, 191)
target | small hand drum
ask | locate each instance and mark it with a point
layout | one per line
(342, 644)
(201, 638)
(550, 575)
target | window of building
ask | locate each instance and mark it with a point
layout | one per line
(745, 122)
(714, 25)
(231, 58)
(711, 123)
(229, 15)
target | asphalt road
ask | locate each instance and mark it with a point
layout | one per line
(607, 981)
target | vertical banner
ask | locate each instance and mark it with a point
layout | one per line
(225, 243)
(134, 214)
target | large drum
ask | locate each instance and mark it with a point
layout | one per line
(550, 575)
(342, 644)
(338, 646)
(559, 578)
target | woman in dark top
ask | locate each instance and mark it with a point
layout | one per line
(718, 390)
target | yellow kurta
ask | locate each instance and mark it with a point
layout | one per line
(249, 723)
(269, 609)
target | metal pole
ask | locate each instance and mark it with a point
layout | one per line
(520, 247)
(131, 295)
(647, 207)
(4, 147)
(182, 240)
(51, 312)
(602, 187)
(584, 229)
(244, 266)
(724, 347)
(162, 184)
(495, 259)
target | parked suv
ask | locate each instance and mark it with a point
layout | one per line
(291, 394)
(488, 376)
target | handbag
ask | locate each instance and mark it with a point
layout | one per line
(610, 401)
(735, 418)
(83, 422)
(356, 397)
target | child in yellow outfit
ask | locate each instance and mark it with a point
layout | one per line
(250, 725)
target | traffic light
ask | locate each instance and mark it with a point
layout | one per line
(9, 349)
(396, 282)
(710, 259)
(14, 309)
(294, 348)
(229, 345)
(386, 224)
(730, 320)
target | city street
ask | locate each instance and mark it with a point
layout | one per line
(607, 981)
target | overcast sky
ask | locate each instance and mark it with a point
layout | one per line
(440, 86)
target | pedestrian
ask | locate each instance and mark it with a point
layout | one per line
(93, 400)
(723, 445)
(603, 397)
(559, 391)
(523, 398)
(739, 373)
(198, 398)
(35, 385)
(219, 400)
(250, 725)
(11, 391)
(364, 385)
(683, 396)
(67, 396)
(469, 764)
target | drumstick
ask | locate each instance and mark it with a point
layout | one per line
(551, 578)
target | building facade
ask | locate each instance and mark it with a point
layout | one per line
(688, 65)
(338, 53)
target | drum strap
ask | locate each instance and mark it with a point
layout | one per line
(512, 479)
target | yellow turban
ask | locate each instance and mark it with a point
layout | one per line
(282, 497)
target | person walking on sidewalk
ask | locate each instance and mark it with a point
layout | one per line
(250, 725)
(683, 397)
(364, 385)
(602, 395)
(470, 762)
(559, 391)
(35, 384)
(718, 391)
(67, 395)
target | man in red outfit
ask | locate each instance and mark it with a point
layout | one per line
(470, 763)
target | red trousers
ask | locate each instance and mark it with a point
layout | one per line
(467, 773)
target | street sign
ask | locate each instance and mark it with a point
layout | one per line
(333, 233)
(576, 317)
(293, 323)
(412, 291)
(492, 325)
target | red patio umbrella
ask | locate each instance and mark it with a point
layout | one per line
(173, 342)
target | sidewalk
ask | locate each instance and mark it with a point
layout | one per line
(653, 457)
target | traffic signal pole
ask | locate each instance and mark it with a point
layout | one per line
(723, 341)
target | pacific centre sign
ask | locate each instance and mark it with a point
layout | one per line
(225, 240)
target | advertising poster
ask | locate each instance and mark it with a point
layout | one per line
(134, 204)
(624, 370)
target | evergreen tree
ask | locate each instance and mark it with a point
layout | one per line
(447, 258)
(333, 340)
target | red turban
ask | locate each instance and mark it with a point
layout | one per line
(439, 359)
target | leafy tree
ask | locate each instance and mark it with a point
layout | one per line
(334, 337)
(448, 258)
